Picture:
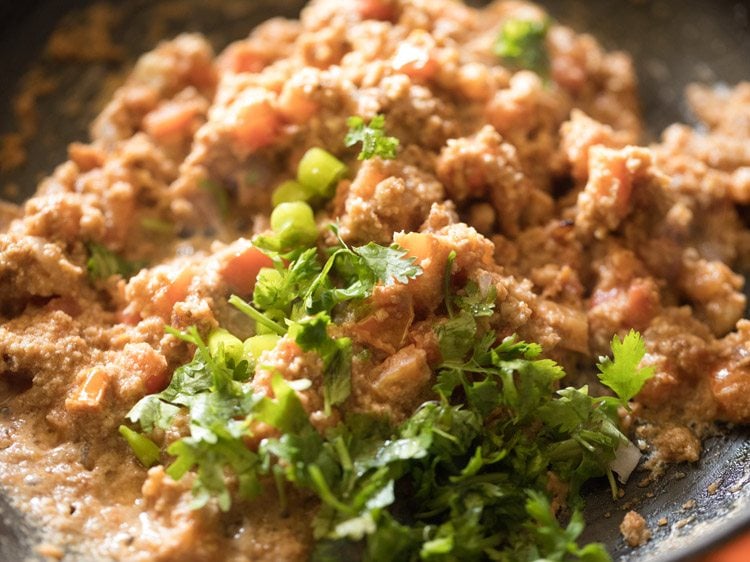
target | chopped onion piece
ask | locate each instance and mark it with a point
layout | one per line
(626, 459)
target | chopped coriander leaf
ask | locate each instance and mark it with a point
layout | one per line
(218, 193)
(623, 373)
(521, 43)
(256, 315)
(359, 269)
(157, 226)
(464, 477)
(311, 333)
(373, 138)
(103, 263)
(389, 264)
(215, 394)
(548, 540)
(279, 288)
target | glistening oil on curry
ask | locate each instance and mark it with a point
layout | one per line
(316, 297)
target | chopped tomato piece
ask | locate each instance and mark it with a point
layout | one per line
(170, 119)
(415, 57)
(432, 256)
(90, 394)
(168, 296)
(242, 56)
(386, 328)
(383, 10)
(252, 120)
(295, 105)
(242, 266)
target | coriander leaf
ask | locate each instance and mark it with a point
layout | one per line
(103, 263)
(151, 412)
(278, 288)
(285, 411)
(553, 542)
(359, 270)
(476, 302)
(211, 460)
(218, 193)
(389, 264)
(338, 375)
(448, 482)
(521, 43)
(456, 336)
(391, 541)
(311, 334)
(211, 391)
(373, 138)
(622, 373)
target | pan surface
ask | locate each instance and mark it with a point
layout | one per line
(673, 44)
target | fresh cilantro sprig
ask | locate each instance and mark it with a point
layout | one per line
(521, 43)
(305, 287)
(214, 393)
(303, 294)
(372, 136)
(623, 373)
(311, 333)
(104, 263)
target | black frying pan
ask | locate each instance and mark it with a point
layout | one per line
(673, 43)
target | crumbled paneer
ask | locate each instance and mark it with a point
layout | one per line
(634, 529)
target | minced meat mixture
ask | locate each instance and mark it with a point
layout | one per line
(525, 179)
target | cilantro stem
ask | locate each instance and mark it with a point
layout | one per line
(278, 478)
(256, 315)
(612, 483)
(320, 278)
(448, 294)
(324, 491)
(180, 466)
(343, 453)
(445, 435)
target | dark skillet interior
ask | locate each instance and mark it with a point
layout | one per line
(673, 43)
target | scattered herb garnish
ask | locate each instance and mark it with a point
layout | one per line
(304, 294)
(465, 477)
(104, 263)
(373, 138)
(521, 44)
(157, 226)
(218, 193)
(622, 373)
